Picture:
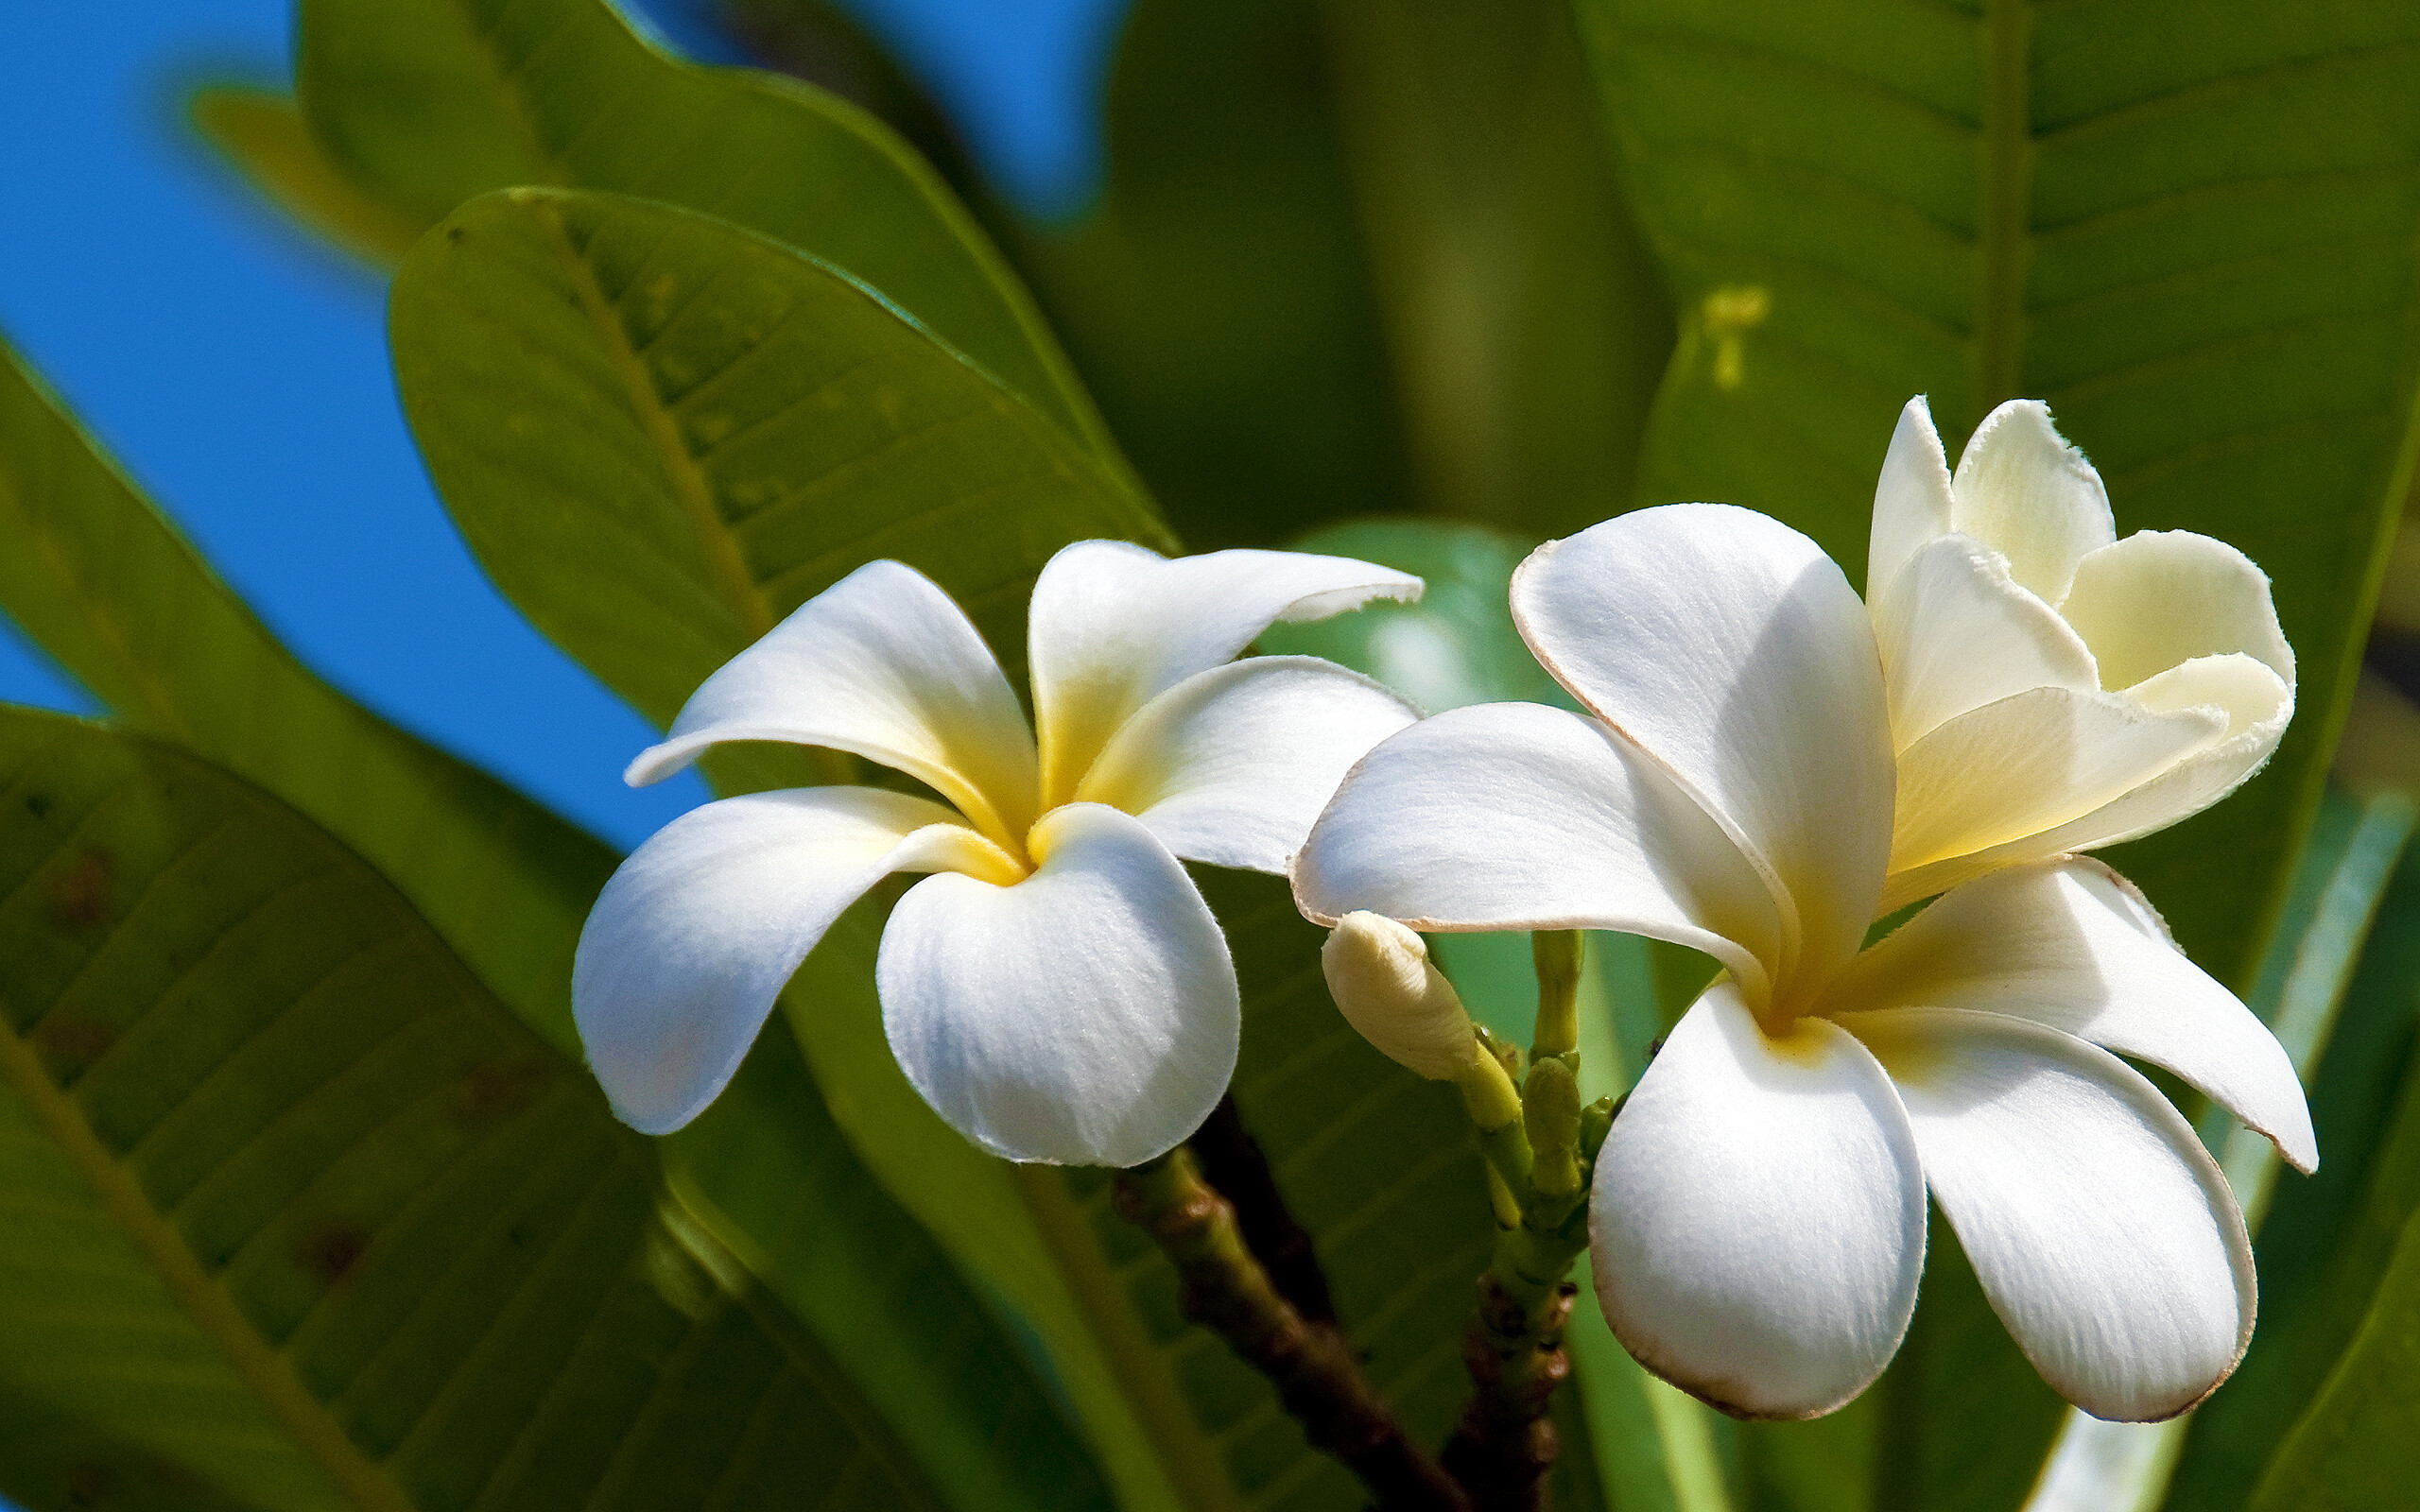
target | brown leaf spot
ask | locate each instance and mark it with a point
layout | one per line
(333, 1249)
(80, 896)
(70, 1041)
(488, 1096)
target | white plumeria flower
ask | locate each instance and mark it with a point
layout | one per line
(2052, 688)
(1758, 1214)
(1058, 990)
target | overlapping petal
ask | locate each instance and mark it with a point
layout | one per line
(1230, 766)
(1087, 1015)
(2030, 763)
(2021, 489)
(1911, 501)
(1732, 650)
(697, 933)
(1515, 816)
(1113, 626)
(884, 665)
(2070, 944)
(1956, 632)
(2102, 1232)
(1757, 1223)
(2160, 598)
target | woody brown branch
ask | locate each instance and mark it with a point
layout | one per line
(1318, 1376)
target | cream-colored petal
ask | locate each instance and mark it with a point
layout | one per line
(1230, 766)
(1956, 632)
(2024, 491)
(1113, 626)
(2071, 944)
(1757, 1224)
(2029, 763)
(1911, 500)
(2161, 597)
(2227, 688)
(695, 936)
(1086, 1016)
(881, 664)
(1731, 649)
(1515, 816)
(2101, 1230)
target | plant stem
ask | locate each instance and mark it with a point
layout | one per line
(1505, 1441)
(1231, 1162)
(1317, 1374)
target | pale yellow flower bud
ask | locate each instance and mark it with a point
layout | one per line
(1380, 975)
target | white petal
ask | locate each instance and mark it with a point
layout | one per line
(1230, 766)
(2220, 688)
(2160, 597)
(2030, 763)
(2025, 492)
(1731, 648)
(2101, 1230)
(1911, 501)
(881, 664)
(1515, 816)
(698, 931)
(2071, 944)
(1086, 1016)
(1758, 1226)
(1956, 632)
(1115, 625)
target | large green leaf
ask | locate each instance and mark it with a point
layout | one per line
(294, 1204)
(1218, 295)
(1527, 324)
(429, 103)
(109, 589)
(2185, 225)
(661, 433)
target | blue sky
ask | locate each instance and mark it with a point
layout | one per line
(239, 371)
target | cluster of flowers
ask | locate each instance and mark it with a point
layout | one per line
(1767, 765)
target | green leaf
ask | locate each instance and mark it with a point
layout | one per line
(429, 103)
(1528, 325)
(293, 1205)
(109, 587)
(1219, 296)
(2352, 1451)
(263, 135)
(2330, 1236)
(2186, 226)
(661, 434)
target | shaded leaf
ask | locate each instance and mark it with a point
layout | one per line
(295, 1204)
(263, 136)
(106, 585)
(2185, 225)
(429, 103)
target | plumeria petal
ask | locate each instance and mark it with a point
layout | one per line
(1912, 503)
(1731, 648)
(1956, 632)
(884, 665)
(1087, 1015)
(694, 937)
(2021, 489)
(2161, 597)
(2071, 944)
(1758, 1226)
(1230, 766)
(1114, 624)
(2029, 763)
(2101, 1230)
(2225, 688)
(1515, 816)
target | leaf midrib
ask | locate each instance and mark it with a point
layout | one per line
(212, 1310)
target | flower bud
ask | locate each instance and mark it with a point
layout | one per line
(1380, 975)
